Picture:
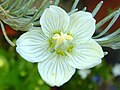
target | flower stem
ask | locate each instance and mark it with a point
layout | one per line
(56, 2)
(5, 35)
(40, 10)
(109, 26)
(55, 88)
(97, 8)
(84, 9)
(75, 4)
(107, 18)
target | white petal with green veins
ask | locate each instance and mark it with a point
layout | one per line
(55, 70)
(54, 20)
(86, 55)
(82, 26)
(33, 46)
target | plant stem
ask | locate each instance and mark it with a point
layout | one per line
(54, 88)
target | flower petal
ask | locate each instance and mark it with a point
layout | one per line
(86, 55)
(33, 46)
(55, 71)
(53, 20)
(82, 26)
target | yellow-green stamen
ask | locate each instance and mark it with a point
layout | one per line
(61, 37)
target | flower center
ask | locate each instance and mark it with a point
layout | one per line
(60, 38)
(62, 43)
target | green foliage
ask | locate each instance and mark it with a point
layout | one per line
(18, 74)
(102, 74)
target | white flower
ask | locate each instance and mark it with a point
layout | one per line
(84, 73)
(116, 70)
(63, 44)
